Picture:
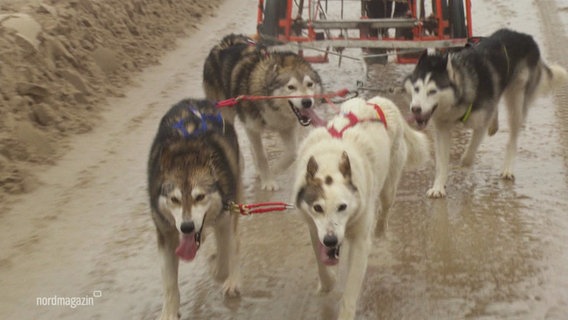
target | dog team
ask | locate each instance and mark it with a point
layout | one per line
(346, 170)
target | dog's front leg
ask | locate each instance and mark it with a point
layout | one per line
(289, 140)
(443, 136)
(227, 260)
(326, 276)
(267, 181)
(170, 262)
(356, 269)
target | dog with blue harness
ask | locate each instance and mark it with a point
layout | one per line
(194, 170)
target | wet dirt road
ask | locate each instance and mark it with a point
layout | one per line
(491, 250)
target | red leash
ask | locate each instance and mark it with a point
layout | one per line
(257, 208)
(233, 101)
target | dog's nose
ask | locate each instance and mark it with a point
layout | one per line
(416, 109)
(306, 103)
(330, 240)
(187, 227)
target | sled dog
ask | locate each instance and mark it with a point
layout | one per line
(466, 86)
(238, 66)
(193, 173)
(346, 180)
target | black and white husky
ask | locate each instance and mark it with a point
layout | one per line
(466, 87)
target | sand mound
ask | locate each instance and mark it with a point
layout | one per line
(59, 59)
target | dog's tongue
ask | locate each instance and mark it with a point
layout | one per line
(419, 121)
(328, 256)
(316, 120)
(187, 248)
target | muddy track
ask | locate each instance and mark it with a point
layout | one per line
(491, 250)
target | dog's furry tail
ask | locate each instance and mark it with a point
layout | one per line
(553, 76)
(418, 146)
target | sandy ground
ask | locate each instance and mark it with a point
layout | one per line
(491, 250)
(60, 60)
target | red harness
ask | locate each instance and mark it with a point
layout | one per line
(353, 120)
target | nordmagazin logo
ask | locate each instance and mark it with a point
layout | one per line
(66, 301)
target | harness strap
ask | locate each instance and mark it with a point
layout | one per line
(256, 208)
(202, 127)
(380, 113)
(353, 120)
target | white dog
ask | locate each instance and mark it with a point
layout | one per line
(346, 181)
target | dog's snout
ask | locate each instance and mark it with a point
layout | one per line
(416, 109)
(187, 227)
(307, 103)
(330, 240)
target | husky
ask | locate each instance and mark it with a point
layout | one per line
(194, 172)
(346, 180)
(466, 87)
(238, 66)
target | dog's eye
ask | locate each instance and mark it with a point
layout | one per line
(318, 208)
(431, 92)
(342, 207)
(199, 197)
(175, 200)
(310, 84)
(291, 87)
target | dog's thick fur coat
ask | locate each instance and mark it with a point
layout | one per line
(467, 86)
(236, 67)
(346, 185)
(193, 172)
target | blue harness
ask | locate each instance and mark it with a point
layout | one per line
(202, 126)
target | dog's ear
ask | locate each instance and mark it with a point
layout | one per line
(345, 166)
(312, 168)
(166, 188)
(407, 84)
(422, 56)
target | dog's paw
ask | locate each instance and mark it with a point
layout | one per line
(436, 192)
(347, 311)
(170, 316)
(269, 185)
(492, 130)
(493, 127)
(231, 288)
(507, 175)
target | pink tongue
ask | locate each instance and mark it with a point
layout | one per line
(324, 257)
(187, 248)
(316, 120)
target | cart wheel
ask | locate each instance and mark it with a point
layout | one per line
(274, 10)
(457, 19)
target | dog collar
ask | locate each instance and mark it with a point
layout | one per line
(353, 120)
(202, 127)
(464, 118)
